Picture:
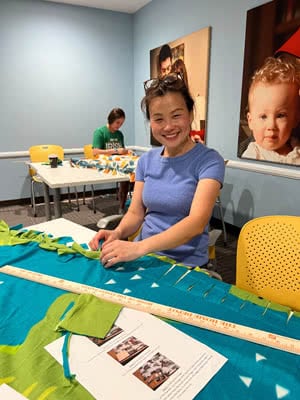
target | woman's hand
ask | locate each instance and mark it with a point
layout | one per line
(116, 251)
(104, 235)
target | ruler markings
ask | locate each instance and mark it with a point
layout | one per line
(265, 338)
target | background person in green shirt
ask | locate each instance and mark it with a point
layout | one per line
(109, 140)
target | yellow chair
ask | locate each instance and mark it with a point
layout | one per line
(40, 153)
(88, 154)
(88, 151)
(268, 259)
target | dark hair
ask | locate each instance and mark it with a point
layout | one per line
(164, 53)
(179, 66)
(115, 113)
(172, 83)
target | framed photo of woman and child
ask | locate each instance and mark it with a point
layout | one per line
(269, 128)
(189, 56)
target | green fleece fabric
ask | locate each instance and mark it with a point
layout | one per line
(11, 237)
(86, 309)
(31, 370)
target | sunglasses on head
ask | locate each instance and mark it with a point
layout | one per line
(164, 82)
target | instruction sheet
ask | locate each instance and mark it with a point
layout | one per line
(142, 357)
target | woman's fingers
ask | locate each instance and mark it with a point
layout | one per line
(109, 263)
(108, 260)
(93, 244)
(97, 240)
(111, 253)
(117, 251)
(106, 255)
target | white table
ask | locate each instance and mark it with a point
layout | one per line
(63, 227)
(67, 176)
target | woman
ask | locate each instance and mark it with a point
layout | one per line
(175, 188)
(109, 140)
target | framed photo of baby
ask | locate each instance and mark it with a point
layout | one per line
(189, 56)
(269, 128)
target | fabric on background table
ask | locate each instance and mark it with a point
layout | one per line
(110, 165)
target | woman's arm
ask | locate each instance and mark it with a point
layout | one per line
(134, 217)
(129, 224)
(178, 234)
(109, 152)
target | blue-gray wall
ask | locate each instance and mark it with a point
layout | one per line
(63, 67)
(245, 194)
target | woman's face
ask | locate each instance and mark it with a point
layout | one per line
(116, 125)
(170, 121)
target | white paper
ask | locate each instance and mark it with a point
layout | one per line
(8, 393)
(143, 358)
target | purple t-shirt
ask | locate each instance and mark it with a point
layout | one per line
(169, 187)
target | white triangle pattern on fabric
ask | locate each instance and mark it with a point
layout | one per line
(141, 269)
(259, 357)
(246, 380)
(126, 291)
(110, 282)
(1, 282)
(281, 392)
(135, 277)
(120, 269)
(154, 285)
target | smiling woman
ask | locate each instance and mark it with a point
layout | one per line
(169, 107)
(189, 55)
(176, 186)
